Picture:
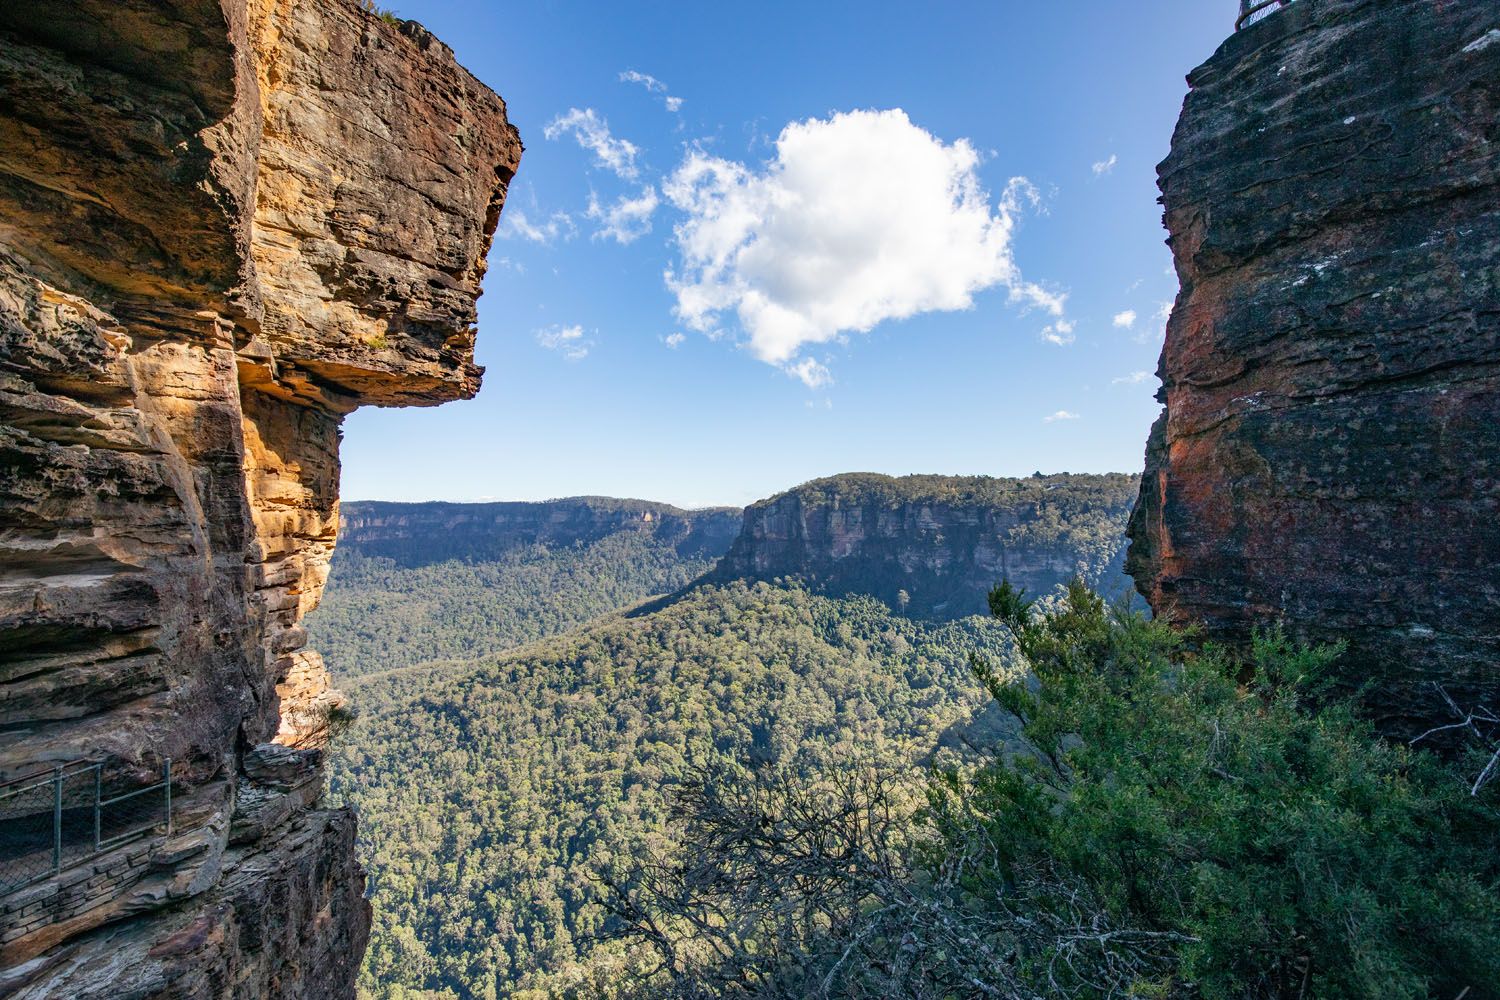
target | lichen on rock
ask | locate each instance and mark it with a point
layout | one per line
(1331, 371)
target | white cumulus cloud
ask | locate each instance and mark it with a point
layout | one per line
(1059, 415)
(628, 219)
(655, 86)
(1126, 319)
(568, 341)
(1105, 166)
(675, 339)
(1134, 378)
(592, 133)
(859, 218)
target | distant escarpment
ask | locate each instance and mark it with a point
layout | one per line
(423, 582)
(935, 545)
(1329, 449)
(413, 534)
(224, 224)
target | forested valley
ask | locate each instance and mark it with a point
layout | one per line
(493, 794)
(506, 769)
(412, 585)
(589, 765)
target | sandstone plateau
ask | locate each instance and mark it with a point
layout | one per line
(419, 533)
(1329, 448)
(224, 224)
(942, 540)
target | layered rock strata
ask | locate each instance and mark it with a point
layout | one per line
(935, 545)
(224, 224)
(1329, 447)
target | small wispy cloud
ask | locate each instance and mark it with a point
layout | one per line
(1155, 331)
(1134, 378)
(515, 224)
(627, 220)
(1059, 333)
(1105, 166)
(812, 374)
(1034, 296)
(592, 133)
(568, 341)
(1125, 320)
(655, 86)
(674, 340)
(1060, 415)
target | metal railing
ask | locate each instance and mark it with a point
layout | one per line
(53, 820)
(1258, 10)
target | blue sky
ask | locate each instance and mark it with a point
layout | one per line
(808, 171)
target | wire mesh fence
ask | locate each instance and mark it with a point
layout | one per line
(57, 819)
(1252, 11)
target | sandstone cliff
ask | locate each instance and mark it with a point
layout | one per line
(418, 533)
(224, 224)
(942, 540)
(1331, 372)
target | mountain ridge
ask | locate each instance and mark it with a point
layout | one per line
(934, 545)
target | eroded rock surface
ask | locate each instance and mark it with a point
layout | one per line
(224, 224)
(1329, 450)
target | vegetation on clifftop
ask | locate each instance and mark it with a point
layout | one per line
(941, 541)
(853, 489)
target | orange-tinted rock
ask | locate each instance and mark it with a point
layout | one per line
(1329, 450)
(224, 224)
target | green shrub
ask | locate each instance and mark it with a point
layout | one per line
(1154, 822)
(1292, 851)
(384, 13)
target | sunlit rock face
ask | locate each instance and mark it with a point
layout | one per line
(1329, 450)
(933, 546)
(224, 224)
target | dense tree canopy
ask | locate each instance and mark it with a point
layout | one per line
(492, 793)
(380, 612)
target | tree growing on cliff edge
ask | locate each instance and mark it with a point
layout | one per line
(1158, 829)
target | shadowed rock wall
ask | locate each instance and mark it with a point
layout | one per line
(1329, 453)
(224, 224)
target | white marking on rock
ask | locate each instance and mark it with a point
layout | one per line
(1349, 120)
(1484, 41)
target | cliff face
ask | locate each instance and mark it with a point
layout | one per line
(224, 224)
(943, 541)
(420, 533)
(1331, 371)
